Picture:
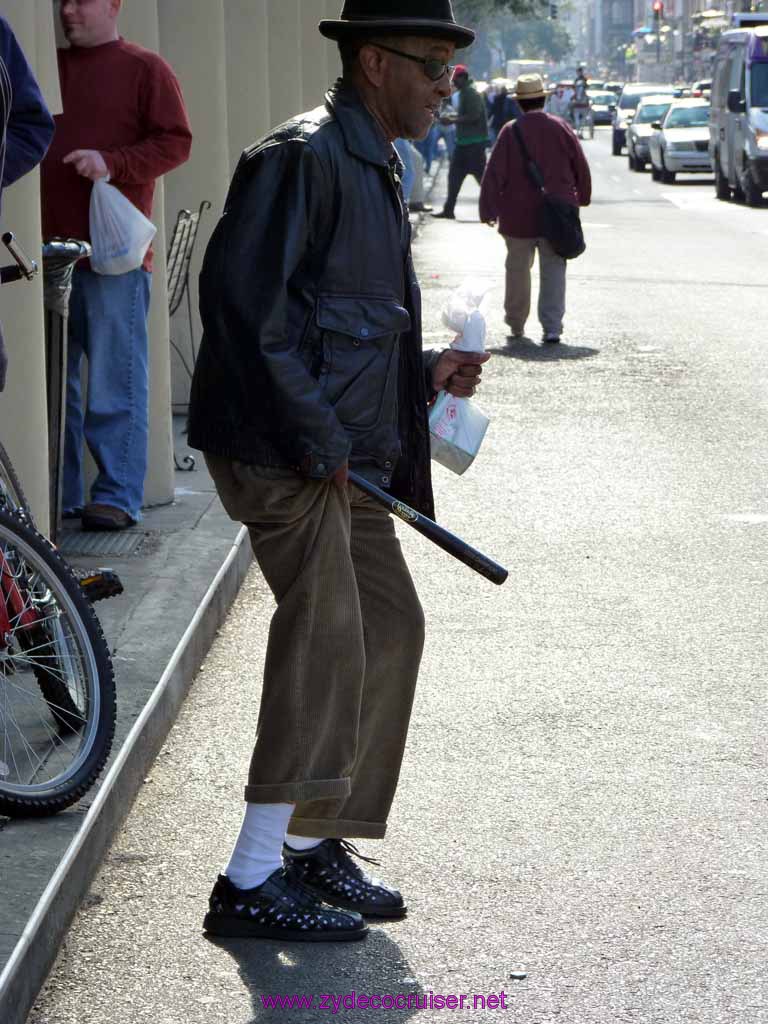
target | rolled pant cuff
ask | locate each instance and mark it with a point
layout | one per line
(298, 792)
(337, 828)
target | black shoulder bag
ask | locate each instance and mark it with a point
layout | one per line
(560, 220)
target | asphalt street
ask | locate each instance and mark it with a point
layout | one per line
(583, 797)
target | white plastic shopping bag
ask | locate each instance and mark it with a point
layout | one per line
(456, 425)
(457, 428)
(120, 233)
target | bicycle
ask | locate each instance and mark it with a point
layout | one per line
(583, 120)
(58, 704)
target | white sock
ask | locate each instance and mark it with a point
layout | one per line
(302, 843)
(257, 852)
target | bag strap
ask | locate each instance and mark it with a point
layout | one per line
(537, 178)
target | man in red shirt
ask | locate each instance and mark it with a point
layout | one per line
(508, 196)
(124, 119)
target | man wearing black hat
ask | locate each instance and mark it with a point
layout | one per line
(311, 362)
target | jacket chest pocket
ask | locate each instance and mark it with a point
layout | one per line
(360, 348)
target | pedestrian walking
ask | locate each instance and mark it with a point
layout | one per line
(503, 109)
(124, 120)
(26, 126)
(580, 100)
(312, 362)
(509, 198)
(559, 101)
(471, 123)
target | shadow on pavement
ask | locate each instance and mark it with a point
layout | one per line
(375, 966)
(530, 351)
(688, 182)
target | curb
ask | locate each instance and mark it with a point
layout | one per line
(35, 952)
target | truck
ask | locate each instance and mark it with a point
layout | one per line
(517, 67)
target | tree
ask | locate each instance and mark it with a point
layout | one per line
(536, 39)
(515, 28)
(475, 12)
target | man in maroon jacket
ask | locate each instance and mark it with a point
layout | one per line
(124, 119)
(508, 196)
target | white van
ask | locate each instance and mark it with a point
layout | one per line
(738, 126)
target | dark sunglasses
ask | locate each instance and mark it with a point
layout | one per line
(434, 69)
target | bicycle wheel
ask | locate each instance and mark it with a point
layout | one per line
(11, 493)
(57, 688)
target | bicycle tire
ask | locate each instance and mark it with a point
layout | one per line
(12, 494)
(58, 704)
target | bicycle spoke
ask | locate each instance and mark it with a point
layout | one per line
(57, 702)
(35, 698)
(25, 745)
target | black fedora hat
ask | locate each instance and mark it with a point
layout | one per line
(409, 17)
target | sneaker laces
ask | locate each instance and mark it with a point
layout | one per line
(299, 893)
(345, 849)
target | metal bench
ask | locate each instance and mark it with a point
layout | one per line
(178, 262)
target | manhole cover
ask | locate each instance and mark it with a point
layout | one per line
(76, 542)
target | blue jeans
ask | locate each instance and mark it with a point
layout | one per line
(428, 148)
(446, 132)
(108, 324)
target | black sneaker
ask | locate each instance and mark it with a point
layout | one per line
(442, 215)
(280, 908)
(329, 873)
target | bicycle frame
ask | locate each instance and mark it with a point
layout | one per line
(23, 615)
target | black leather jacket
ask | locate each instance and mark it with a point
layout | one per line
(311, 310)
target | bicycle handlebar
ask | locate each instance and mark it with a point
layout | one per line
(24, 267)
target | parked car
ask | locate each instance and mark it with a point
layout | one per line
(614, 87)
(738, 127)
(682, 141)
(702, 88)
(650, 111)
(603, 105)
(630, 96)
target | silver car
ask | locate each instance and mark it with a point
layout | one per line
(682, 141)
(650, 110)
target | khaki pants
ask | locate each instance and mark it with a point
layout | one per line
(343, 653)
(517, 301)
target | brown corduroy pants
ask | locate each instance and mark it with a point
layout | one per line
(343, 654)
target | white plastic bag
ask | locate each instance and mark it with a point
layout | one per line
(468, 303)
(120, 233)
(456, 425)
(457, 428)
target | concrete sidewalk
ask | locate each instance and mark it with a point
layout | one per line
(181, 569)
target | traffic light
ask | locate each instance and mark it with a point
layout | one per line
(658, 11)
(553, 11)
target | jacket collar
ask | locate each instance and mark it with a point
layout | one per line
(362, 135)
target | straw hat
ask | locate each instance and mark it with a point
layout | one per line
(409, 17)
(530, 87)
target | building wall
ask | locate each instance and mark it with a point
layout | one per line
(244, 65)
(23, 419)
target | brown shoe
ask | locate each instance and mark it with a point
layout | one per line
(105, 517)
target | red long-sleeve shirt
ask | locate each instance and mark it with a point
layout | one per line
(125, 102)
(507, 193)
